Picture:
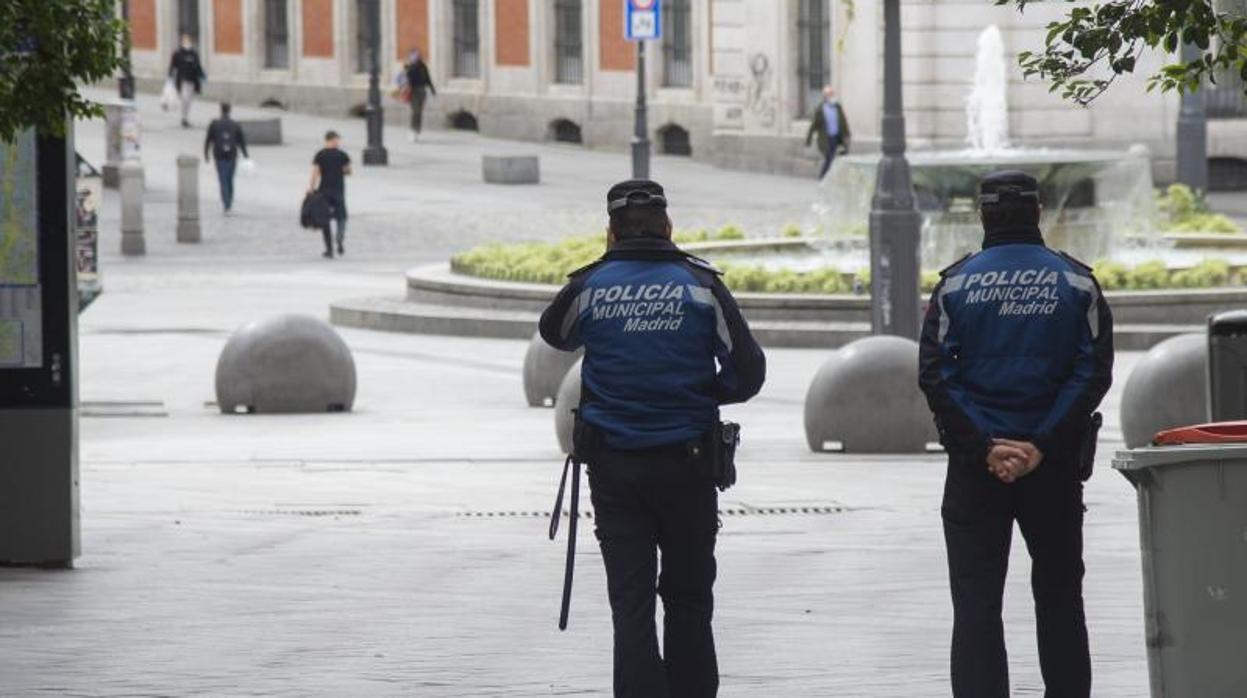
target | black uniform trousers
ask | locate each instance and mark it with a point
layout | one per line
(978, 512)
(645, 502)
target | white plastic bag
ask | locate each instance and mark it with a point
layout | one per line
(169, 95)
(247, 167)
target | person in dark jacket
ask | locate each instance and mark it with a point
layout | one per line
(188, 75)
(224, 141)
(330, 167)
(665, 346)
(830, 127)
(419, 85)
(1016, 353)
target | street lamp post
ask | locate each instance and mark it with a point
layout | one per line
(640, 136)
(1192, 141)
(125, 83)
(894, 222)
(375, 153)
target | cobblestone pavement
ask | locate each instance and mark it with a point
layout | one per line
(399, 550)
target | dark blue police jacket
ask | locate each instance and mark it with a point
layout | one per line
(665, 344)
(1018, 344)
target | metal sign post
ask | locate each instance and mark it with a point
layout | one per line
(895, 225)
(642, 22)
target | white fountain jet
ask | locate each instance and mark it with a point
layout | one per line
(987, 107)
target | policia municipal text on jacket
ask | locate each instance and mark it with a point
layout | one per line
(1017, 352)
(665, 346)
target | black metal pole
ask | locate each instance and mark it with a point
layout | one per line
(895, 224)
(1192, 137)
(375, 153)
(125, 83)
(640, 136)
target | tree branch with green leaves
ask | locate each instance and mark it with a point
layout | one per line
(1095, 44)
(48, 50)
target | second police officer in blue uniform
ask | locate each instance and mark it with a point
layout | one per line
(665, 346)
(1016, 354)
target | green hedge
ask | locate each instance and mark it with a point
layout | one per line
(550, 263)
(1185, 211)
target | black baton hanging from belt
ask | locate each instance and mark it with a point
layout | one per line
(573, 465)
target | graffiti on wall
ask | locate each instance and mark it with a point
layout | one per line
(760, 94)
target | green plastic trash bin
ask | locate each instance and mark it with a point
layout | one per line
(1192, 494)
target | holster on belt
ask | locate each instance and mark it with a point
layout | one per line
(721, 455)
(1086, 449)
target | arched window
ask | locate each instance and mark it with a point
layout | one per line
(565, 131)
(463, 120)
(673, 139)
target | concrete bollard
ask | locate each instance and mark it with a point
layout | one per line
(866, 399)
(544, 369)
(510, 169)
(568, 399)
(131, 179)
(1168, 388)
(283, 365)
(188, 199)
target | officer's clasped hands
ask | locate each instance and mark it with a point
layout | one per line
(1012, 460)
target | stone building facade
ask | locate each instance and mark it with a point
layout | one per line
(733, 81)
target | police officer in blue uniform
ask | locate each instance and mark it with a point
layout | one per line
(665, 346)
(1016, 353)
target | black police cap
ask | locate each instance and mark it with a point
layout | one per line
(1008, 185)
(635, 192)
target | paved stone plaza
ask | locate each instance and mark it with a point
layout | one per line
(400, 550)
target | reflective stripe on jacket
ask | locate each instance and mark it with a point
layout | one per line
(1017, 343)
(665, 344)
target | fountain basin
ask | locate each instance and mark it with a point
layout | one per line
(1096, 203)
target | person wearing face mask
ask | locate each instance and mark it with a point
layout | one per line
(188, 76)
(665, 346)
(1016, 354)
(419, 86)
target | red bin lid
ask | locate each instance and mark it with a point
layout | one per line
(1218, 433)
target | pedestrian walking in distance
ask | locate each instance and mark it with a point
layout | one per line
(830, 128)
(1016, 354)
(224, 141)
(419, 85)
(188, 75)
(330, 168)
(665, 346)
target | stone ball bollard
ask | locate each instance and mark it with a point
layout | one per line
(568, 399)
(285, 364)
(866, 398)
(1167, 388)
(544, 370)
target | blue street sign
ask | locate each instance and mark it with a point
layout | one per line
(643, 20)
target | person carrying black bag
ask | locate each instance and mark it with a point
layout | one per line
(330, 167)
(665, 346)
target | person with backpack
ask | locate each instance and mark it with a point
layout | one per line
(224, 141)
